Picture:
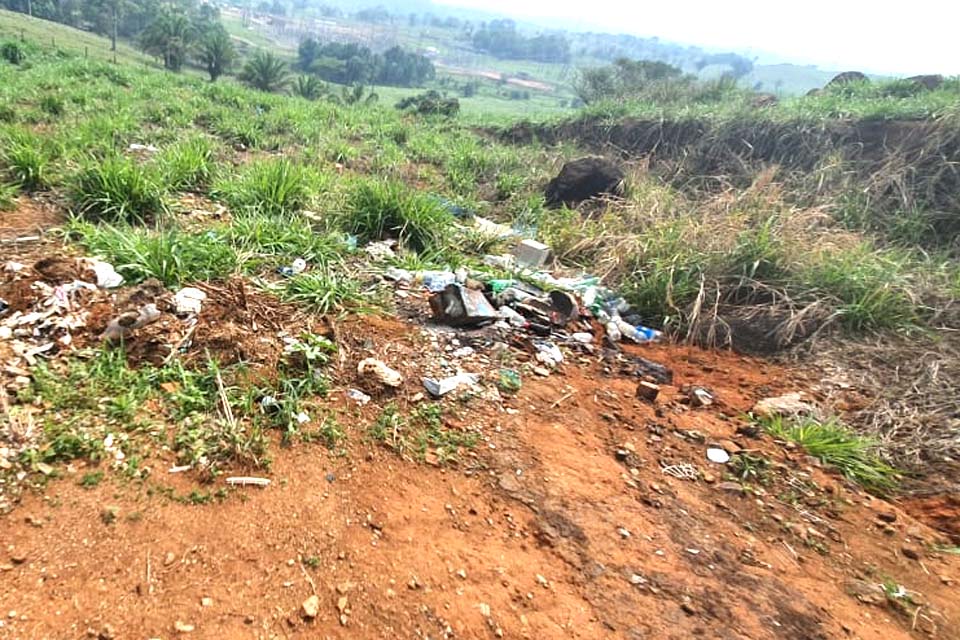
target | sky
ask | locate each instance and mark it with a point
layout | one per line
(875, 36)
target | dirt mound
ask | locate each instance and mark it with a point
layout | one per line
(583, 179)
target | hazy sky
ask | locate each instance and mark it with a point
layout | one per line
(879, 35)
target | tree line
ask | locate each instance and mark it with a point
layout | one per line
(500, 38)
(350, 63)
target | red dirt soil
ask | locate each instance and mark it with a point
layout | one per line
(521, 540)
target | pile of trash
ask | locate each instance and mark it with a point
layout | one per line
(531, 310)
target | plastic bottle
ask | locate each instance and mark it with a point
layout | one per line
(613, 331)
(639, 334)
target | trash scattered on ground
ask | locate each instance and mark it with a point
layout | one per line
(509, 381)
(718, 455)
(457, 305)
(438, 388)
(136, 147)
(683, 471)
(531, 254)
(379, 370)
(699, 397)
(244, 481)
(548, 353)
(121, 326)
(107, 276)
(358, 396)
(382, 250)
(189, 300)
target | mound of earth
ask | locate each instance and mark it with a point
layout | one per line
(583, 179)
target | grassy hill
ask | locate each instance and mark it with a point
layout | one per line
(51, 36)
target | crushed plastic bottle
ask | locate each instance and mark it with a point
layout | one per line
(638, 334)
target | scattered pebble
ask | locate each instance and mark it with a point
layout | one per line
(311, 607)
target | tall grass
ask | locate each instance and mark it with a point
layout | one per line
(116, 189)
(170, 255)
(378, 209)
(26, 158)
(189, 165)
(272, 187)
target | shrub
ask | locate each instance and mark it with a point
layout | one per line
(52, 104)
(310, 87)
(118, 190)
(265, 72)
(323, 292)
(381, 208)
(8, 194)
(12, 52)
(429, 103)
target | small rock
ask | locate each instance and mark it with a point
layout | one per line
(541, 371)
(700, 397)
(543, 582)
(887, 516)
(107, 633)
(183, 627)
(621, 454)
(708, 477)
(342, 604)
(688, 608)
(729, 446)
(414, 583)
(206, 602)
(462, 574)
(733, 487)
(647, 391)
(910, 552)
(624, 533)
(169, 559)
(18, 558)
(484, 609)
(311, 607)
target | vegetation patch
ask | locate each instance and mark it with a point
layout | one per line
(116, 189)
(835, 445)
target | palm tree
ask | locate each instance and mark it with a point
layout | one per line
(310, 87)
(266, 72)
(169, 36)
(216, 53)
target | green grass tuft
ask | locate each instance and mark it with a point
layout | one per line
(170, 255)
(324, 292)
(272, 187)
(116, 189)
(188, 166)
(834, 444)
(379, 209)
